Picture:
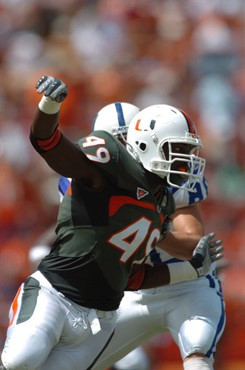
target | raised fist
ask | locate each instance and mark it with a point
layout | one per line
(52, 87)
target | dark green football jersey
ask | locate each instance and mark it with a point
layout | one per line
(100, 233)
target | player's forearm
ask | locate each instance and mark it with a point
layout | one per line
(64, 157)
(156, 276)
(44, 125)
(60, 153)
(180, 244)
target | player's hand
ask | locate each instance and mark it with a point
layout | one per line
(52, 87)
(206, 252)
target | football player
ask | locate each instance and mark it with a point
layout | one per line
(137, 322)
(64, 314)
(192, 311)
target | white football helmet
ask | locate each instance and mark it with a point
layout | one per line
(156, 138)
(115, 118)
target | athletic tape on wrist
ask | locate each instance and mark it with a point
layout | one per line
(48, 106)
(181, 271)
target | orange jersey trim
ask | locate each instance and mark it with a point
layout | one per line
(15, 306)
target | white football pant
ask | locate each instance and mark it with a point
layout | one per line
(49, 332)
(193, 312)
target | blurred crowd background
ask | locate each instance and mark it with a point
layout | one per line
(187, 53)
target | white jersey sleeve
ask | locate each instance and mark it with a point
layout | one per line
(184, 198)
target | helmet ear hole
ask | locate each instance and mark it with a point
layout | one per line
(142, 147)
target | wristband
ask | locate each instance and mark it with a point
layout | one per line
(48, 106)
(181, 271)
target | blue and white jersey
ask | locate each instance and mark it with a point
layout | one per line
(183, 198)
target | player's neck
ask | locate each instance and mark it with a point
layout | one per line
(155, 183)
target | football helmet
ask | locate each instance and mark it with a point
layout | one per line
(164, 139)
(115, 118)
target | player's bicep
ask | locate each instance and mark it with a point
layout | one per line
(188, 220)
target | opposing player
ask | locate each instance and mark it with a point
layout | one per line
(64, 314)
(192, 311)
(207, 316)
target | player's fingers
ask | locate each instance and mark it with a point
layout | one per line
(216, 250)
(52, 87)
(216, 257)
(215, 243)
(216, 253)
(59, 93)
(41, 80)
(45, 86)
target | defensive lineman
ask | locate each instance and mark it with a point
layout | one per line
(193, 312)
(64, 315)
